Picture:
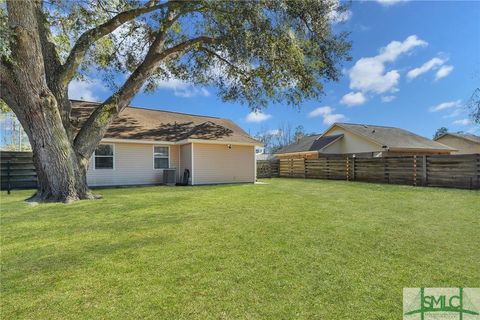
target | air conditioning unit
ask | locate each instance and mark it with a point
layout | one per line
(169, 177)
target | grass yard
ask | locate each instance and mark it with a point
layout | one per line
(289, 249)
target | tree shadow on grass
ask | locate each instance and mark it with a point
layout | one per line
(52, 262)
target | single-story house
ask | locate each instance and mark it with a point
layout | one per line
(141, 143)
(464, 143)
(362, 140)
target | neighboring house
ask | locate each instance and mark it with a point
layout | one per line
(363, 140)
(464, 143)
(265, 156)
(140, 143)
(261, 154)
(308, 147)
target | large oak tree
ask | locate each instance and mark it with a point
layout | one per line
(251, 51)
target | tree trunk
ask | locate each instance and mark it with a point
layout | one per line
(61, 174)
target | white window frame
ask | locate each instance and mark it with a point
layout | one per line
(153, 157)
(95, 157)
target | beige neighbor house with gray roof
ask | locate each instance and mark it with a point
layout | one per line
(141, 143)
(363, 140)
(464, 143)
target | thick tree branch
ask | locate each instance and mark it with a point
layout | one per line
(52, 66)
(50, 56)
(96, 125)
(78, 52)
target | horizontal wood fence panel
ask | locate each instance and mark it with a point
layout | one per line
(268, 168)
(17, 170)
(456, 171)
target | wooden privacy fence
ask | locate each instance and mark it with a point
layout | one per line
(267, 168)
(455, 171)
(17, 170)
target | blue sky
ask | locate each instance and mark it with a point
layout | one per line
(414, 65)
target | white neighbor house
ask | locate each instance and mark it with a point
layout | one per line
(141, 143)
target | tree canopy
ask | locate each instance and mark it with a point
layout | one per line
(252, 51)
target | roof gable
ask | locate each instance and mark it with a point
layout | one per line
(464, 136)
(391, 137)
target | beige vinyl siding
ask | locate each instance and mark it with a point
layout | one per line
(133, 165)
(216, 163)
(185, 161)
(350, 143)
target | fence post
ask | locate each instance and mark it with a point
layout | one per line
(8, 177)
(328, 168)
(424, 171)
(415, 170)
(348, 168)
(386, 174)
(353, 168)
(304, 168)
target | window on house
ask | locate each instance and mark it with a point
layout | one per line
(104, 156)
(160, 157)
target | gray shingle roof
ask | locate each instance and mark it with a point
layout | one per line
(309, 143)
(393, 138)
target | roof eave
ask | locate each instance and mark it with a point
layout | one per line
(185, 141)
(421, 149)
(297, 152)
(137, 141)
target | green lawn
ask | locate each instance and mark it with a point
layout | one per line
(289, 249)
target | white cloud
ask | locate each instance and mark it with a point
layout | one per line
(445, 105)
(369, 75)
(181, 88)
(388, 98)
(327, 113)
(395, 48)
(320, 111)
(332, 118)
(353, 99)
(337, 16)
(463, 122)
(427, 66)
(387, 3)
(85, 90)
(443, 72)
(257, 116)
